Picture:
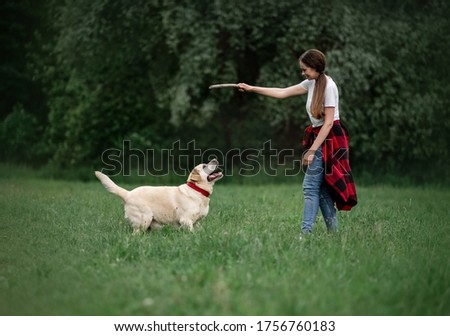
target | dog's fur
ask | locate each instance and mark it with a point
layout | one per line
(151, 207)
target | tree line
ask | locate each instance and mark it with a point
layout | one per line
(80, 77)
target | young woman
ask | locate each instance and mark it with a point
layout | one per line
(328, 179)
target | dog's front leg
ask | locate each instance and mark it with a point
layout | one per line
(189, 224)
(137, 231)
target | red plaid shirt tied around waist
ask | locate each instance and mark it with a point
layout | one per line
(338, 174)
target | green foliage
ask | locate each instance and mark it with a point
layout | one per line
(16, 23)
(20, 137)
(394, 95)
(115, 70)
(99, 82)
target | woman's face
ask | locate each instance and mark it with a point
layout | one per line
(307, 72)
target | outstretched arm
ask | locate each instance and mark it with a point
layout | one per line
(278, 93)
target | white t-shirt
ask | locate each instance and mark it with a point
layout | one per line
(331, 98)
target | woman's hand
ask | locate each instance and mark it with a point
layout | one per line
(308, 157)
(245, 87)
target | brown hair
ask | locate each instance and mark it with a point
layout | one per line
(315, 59)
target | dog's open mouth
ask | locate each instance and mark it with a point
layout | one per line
(213, 170)
(216, 174)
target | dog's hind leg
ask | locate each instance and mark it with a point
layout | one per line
(155, 225)
(141, 219)
(143, 225)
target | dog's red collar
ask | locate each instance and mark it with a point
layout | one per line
(198, 189)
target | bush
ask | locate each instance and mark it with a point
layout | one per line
(20, 137)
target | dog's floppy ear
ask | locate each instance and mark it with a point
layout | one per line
(194, 176)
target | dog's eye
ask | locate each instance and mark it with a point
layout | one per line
(204, 165)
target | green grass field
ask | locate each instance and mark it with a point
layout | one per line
(67, 250)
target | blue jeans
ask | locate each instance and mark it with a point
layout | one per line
(316, 195)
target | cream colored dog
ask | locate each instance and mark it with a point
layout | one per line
(151, 207)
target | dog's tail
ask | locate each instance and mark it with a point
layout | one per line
(111, 186)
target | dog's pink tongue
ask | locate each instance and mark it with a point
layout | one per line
(213, 176)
